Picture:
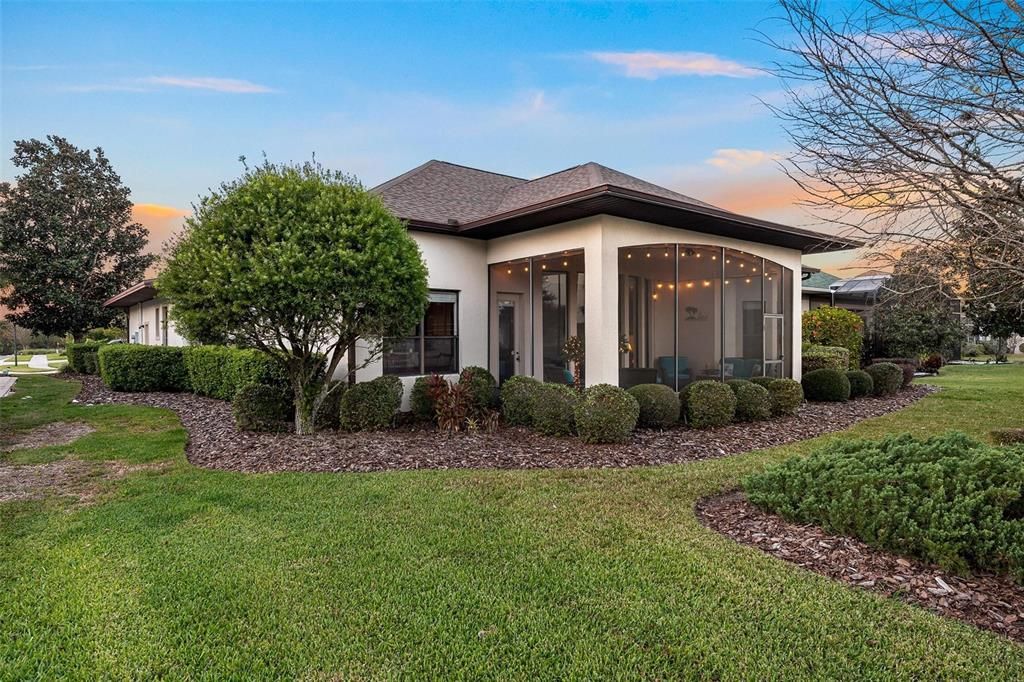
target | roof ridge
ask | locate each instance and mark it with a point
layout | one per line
(596, 172)
(478, 170)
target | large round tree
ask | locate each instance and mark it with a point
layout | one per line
(298, 262)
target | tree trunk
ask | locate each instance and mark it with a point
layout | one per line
(305, 413)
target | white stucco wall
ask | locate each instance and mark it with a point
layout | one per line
(143, 326)
(453, 264)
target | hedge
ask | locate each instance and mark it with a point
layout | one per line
(861, 383)
(259, 407)
(219, 371)
(83, 357)
(659, 405)
(710, 403)
(371, 405)
(421, 402)
(826, 357)
(886, 377)
(785, 396)
(137, 368)
(606, 414)
(948, 499)
(762, 381)
(826, 386)
(553, 409)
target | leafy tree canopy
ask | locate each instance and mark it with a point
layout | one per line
(298, 262)
(67, 238)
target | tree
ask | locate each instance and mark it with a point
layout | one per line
(67, 239)
(908, 125)
(298, 262)
(917, 313)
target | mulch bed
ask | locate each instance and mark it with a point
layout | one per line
(216, 443)
(988, 601)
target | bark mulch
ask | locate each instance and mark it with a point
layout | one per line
(985, 600)
(216, 443)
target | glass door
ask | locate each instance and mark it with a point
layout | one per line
(509, 333)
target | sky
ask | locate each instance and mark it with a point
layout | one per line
(176, 92)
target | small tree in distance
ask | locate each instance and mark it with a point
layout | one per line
(298, 262)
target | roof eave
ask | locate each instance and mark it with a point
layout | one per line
(137, 293)
(806, 241)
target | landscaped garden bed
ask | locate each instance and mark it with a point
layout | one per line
(993, 602)
(215, 441)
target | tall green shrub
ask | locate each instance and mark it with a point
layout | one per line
(835, 327)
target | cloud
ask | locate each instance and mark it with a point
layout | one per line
(233, 86)
(738, 160)
(652, 65)
(229, 85)
(161, 221)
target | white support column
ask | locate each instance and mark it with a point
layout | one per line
(602, 300)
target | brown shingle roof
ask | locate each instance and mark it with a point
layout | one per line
(446, 197)
(440, 192)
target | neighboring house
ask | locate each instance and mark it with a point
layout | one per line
(858, 294)
(148, 321)
(663, 288)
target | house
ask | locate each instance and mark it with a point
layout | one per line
(147, 313)
(858, 294)
(662, 287)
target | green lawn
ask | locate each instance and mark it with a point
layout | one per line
(187, 573)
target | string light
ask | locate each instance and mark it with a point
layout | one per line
(628, 256)
(689, 285)
(748, 280)
(565, 263)
(510, 271)
(707, 283)
(648, 254)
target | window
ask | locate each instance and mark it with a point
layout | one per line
(433, 345)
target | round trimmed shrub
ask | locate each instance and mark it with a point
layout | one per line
(861, 383)
(762, 381)
(553, 409)
(785, 397)
(659, 405)
(259, 407)
(826, 386)
(518, 395)
(752, 402)
(907, 365)
(481, 385)
(886, 377)
(606, 414)
(329, 414)
(734, 384)
(710, 403)
(421, 403)
(371, 405)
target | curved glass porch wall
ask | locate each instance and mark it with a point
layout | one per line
(689, 312)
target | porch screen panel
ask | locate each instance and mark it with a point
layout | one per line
(700, 313)
(743, 343)
(647, 305)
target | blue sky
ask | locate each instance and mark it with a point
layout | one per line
(176, 92)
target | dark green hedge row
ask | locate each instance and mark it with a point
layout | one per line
(133, 368)
(220, 371)
(82, 357)
(949, 499)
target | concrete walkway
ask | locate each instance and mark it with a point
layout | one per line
(38, 362)
(6, 384)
